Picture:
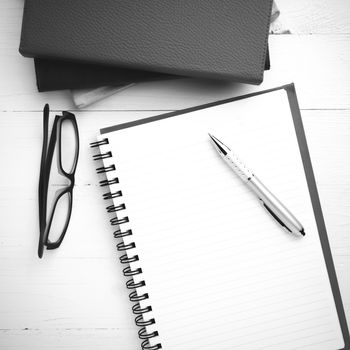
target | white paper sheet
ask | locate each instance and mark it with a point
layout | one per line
(220, 272)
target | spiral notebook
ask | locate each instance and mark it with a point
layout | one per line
(208, 267)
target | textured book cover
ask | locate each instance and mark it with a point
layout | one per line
(207, 39)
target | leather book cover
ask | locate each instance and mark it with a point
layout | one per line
(60, 75)
(216, 39)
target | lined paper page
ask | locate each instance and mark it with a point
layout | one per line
(220, 272)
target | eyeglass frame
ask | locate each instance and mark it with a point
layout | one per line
(48, 148)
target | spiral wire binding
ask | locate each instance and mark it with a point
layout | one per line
(125, 259)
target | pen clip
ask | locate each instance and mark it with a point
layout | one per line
(274, 216)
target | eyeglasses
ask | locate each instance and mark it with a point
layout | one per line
(54, 221)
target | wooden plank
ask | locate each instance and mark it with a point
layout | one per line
(303, 17)
(60, 338)
(79, 289)
(318, 64)
(316, 16)
(22, 133)
(74, 300)
(77, 298)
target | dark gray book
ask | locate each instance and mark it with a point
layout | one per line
(60, 75)
(207, 39)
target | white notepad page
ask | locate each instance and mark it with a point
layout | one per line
(220, 272)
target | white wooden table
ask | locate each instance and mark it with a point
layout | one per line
(75, 298)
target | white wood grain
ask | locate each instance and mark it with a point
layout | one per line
(60, 338)
(316, 16)
(303, 17)
(78, 291)
(318, 64)
(75, 298)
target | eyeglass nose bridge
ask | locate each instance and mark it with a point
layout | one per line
(70, 178)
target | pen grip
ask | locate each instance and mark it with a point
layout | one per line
(239, 168)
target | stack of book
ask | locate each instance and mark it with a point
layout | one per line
(85, 44)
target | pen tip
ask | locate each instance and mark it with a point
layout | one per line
(302, 232)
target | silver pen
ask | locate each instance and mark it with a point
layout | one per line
(278, 211)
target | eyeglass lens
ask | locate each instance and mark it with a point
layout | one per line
(68, 145)
(59, 215)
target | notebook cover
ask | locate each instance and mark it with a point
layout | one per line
(304, 152)
(208, 39)
(60, 75)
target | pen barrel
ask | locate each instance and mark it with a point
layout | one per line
(274, 205)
